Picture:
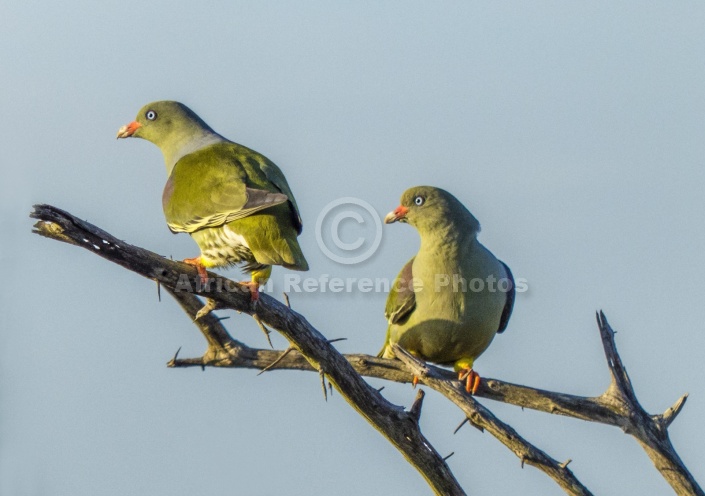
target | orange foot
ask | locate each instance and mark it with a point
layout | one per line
(254, 289)
(414, 381)
(472, 379)
(196, 262)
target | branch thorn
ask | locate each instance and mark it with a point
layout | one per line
(266, 331)
(465, 421)
(210, 305)
(279, 359)
(322, 375)
(667, 418)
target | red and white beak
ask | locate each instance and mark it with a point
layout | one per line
(128, 130)
(396, 215)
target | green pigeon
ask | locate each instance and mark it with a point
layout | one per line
(449, 301)
(234, 202)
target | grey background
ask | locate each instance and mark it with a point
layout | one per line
(573, 131)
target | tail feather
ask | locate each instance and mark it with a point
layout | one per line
(271, 240)
(282, 251)
(293, 256)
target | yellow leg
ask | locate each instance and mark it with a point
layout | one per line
(259, 277)
(262, 276)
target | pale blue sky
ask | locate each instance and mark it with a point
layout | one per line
(573, 131)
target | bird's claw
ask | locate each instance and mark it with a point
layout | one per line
(471, 378)
(200, 268)
(254, 290)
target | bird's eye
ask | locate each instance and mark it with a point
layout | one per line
(419, 200)
(151, 115)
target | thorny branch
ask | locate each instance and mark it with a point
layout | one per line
(400, 427)
(309, 350)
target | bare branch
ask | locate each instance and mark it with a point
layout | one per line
(618, 406)
(608, 408)
(415, 410)
(485, 420)
(649, 430)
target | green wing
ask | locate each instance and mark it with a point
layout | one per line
(211, 187)
(401, 301)
(275, 175)
(264, 174)
(509, 304)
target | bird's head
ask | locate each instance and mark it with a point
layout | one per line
(428, 209)
(161, 122)
(172, 126)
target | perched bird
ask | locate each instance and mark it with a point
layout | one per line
(449, 301)
(233, 201)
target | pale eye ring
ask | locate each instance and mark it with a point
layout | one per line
(151, 115)
(419, 200)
